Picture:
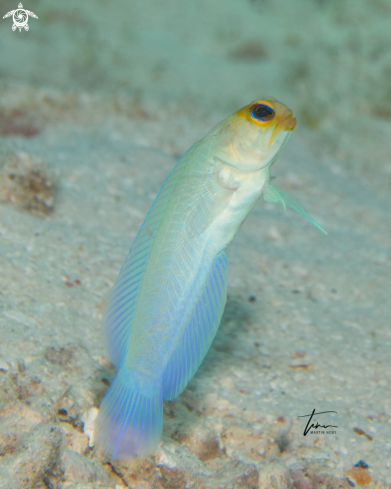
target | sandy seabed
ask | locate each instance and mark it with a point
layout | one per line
(307, 322)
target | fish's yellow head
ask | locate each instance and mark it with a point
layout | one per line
(253, 137)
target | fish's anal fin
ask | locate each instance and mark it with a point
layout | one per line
(274, 194)
(199, 331)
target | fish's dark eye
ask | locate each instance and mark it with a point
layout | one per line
(262, 112)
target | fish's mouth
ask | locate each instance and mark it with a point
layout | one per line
(286, 123)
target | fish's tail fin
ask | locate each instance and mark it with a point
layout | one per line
(130, 419)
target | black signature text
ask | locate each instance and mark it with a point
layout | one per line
(317, 425)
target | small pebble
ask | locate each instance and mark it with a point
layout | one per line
(88, 419)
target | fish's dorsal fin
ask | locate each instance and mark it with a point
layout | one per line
(274, 194)
(121, 304)
(199, 330)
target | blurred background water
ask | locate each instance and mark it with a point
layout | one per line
(327, 58)
(330, 61)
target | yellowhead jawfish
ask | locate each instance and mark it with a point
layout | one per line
(166, 305)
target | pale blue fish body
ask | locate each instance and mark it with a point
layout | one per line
(199, 222)
(167, 302)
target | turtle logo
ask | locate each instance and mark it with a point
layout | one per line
(20, 17)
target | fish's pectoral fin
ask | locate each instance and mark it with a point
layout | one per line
(199, 331)
(274, 194)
